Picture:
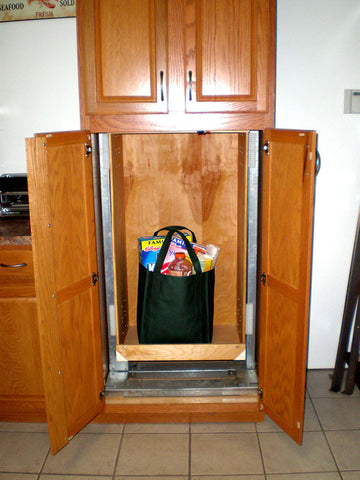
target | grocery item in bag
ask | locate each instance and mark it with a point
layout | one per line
(180, 266)
(149, 248)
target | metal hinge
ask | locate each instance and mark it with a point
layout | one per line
(263, 279)
(261, 393)
(266, 148)
(88, 149)
(95, 278)
(101, 395)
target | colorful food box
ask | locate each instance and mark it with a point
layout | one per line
(149, 248)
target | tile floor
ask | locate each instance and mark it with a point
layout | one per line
(225, 451)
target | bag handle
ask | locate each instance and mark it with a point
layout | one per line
(166, 244)
(176, 227)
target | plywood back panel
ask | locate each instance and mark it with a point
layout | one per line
(220, 169)
(184, 179)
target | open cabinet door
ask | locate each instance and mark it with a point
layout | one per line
(65, 265)
(288, 171)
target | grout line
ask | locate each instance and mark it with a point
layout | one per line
(260, 449)
(43, 464)
(324, 435)
(118, 452)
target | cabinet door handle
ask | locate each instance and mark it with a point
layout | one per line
(16, 265)
(190, 85)
(317, 163)
(162, 85)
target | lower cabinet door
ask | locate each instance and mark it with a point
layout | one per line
(288, 173)
(65, 269)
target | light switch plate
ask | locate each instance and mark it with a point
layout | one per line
(352, 101)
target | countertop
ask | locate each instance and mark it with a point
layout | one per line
(15, 231)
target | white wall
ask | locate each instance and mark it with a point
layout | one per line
(317, 58)
(318, 45)
(38, 84)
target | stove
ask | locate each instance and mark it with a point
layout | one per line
(14, 199)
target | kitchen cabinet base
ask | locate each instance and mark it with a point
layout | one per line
(22, 408)
(181, 410)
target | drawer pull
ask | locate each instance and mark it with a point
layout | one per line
(190, 85)
(162, 86)
(16, 265)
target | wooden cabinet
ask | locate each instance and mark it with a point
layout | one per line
(61, 190)
(228, 56)
(21, 386)
(124, 53)
(175, 65)
(65, 279)
(151, 73)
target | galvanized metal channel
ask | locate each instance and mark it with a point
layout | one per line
(252, 245)
(177, 379)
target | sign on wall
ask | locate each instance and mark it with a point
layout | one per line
(11, 10)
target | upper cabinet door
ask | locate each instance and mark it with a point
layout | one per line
(288, 167)
(123, 56)
(176, 65)
(63, 232)
(228, 55)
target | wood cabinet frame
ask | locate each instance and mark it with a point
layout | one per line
(21, 383)
(172, 41)
(174, 56)
(50, 159)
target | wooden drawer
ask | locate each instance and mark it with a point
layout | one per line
(16, 271)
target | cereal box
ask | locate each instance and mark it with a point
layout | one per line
(149, 248)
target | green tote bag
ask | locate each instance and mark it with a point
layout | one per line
(174, 309)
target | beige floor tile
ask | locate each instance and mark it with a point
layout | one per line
(166, 477)
(267, 426)
(351, 475)
(74, 477)
(88, 454)
(318, 383)
(157, 428)
(230, 427)
(225, 454)
(23, 427)
(23, 452)
(18, 476)
(306, 476)
(230, 477)
(345, 447)
(157, 454)
(283, 455)
(311, 422)
(338, 413)
(103, 428)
